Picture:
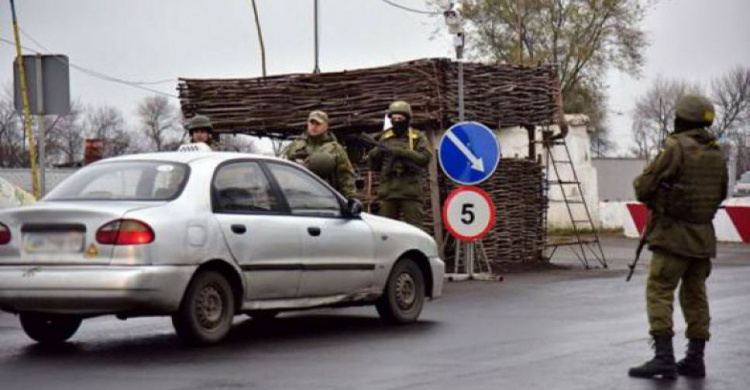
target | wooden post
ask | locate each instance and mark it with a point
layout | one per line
(437, 210)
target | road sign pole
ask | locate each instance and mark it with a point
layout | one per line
(469, 214)
(460, 90)
(40, 125)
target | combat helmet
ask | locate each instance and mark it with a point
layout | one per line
(199, 122)
(696, 109)
(399, 107)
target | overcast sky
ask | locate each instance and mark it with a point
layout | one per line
(160, 40)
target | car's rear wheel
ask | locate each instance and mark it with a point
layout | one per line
(403, 298)
(207, 309)
(49, 328)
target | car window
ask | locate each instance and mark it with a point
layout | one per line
(243, 187)
(304, 194)
(127, 180)
(745, 178)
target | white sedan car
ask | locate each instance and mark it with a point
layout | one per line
(202, 236)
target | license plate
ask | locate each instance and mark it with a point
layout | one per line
(53, 242)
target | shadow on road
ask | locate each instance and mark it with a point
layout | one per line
(246, 338)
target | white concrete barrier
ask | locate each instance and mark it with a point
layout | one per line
(732, 222)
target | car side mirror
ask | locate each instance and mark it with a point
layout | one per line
(353, 207)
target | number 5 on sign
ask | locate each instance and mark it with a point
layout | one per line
(469, 213)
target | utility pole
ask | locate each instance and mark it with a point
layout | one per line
(260, 37)
(520, 33)
(455, 27)
(25, 99)
(317, 39)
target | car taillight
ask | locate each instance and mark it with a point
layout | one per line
(125, 232)
(4, 234)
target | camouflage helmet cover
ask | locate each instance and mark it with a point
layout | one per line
(200, 122)
(695, 108)
(399, 107)
(322, 163)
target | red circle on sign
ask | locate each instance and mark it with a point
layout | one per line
(490, 223)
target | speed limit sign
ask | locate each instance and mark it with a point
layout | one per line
(468, 213)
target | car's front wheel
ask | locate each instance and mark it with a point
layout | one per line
(49, 328)
(403, 298)
(207, 309)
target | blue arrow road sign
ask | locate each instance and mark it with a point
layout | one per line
(469, 153)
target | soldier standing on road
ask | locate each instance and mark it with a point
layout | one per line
(318, 150)
(683, 187)
(201, 129)
(401, 188)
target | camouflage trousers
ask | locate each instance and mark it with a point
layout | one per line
(667, 271)
(411, 210)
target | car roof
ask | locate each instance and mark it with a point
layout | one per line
(187, 157)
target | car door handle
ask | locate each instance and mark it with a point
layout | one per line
(313, 231)
(239, 228)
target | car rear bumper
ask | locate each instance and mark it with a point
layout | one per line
(438, 274)
(93, 290)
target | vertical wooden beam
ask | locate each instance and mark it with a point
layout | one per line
(437, 210)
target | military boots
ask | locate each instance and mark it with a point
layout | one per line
(692, 364)
(662, 365)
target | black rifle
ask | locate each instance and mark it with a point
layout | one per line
(649, 226)
(663, 199)
(390, 158)
(641, 244)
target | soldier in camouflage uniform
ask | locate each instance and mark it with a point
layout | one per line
(401, 189)
(318, 150)
(201, 129)
(682, 187)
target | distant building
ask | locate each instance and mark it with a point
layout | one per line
(615, 177)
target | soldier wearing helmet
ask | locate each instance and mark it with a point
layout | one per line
(318, 150)
(401, 188)
(682, 188)
(201, 129)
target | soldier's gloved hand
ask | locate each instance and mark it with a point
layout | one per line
(407, 153)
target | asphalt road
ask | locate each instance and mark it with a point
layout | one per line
(565, 329)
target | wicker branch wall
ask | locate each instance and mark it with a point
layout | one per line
(277, 106)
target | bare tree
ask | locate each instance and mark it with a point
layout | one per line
(653, 117)
(108, 124)
(731, 95)
(64, 136)
(159, 122)
(11, 134)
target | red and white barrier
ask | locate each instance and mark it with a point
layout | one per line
(732, 223)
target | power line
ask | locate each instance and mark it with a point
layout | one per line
(405, 8)
(99, 75)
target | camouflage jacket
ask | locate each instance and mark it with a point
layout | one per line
(302, 148)
(397, 180)
(683, 187)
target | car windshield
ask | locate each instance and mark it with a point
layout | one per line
(127, 180)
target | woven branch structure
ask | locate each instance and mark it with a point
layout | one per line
(277, 106)
(497, 96)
